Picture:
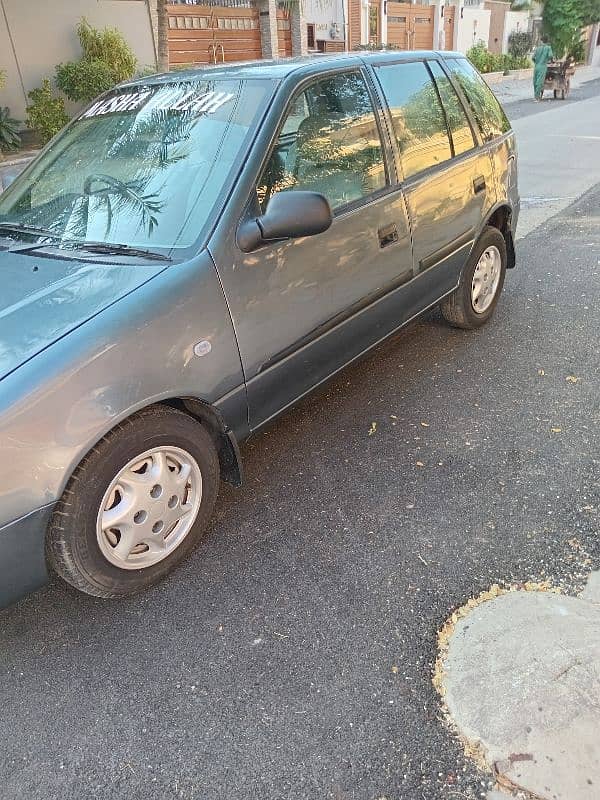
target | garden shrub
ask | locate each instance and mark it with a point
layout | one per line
(9, 136)
(520, 43)
(106, 60)
(46, 113)
(484, 61)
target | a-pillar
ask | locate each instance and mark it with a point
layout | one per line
(267, 16)
(299, 30)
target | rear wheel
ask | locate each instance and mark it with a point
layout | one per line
(136, 505)
(481, 282)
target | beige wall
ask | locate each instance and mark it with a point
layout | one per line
(516, 21)
(43, 35)
(473, 26)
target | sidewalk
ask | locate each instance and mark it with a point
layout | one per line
(511, 90)
(520, 678)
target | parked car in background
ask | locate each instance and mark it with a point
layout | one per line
(197, 251)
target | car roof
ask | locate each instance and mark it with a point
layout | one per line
(278, 69)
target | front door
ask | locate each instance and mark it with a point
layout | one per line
(303, 308)
(448, 181)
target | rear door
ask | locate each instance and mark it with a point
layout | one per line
(303, 308)
(447, 179)
(496, 134)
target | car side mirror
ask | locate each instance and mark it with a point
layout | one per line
(289, 215)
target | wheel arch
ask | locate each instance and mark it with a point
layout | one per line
(207, 415)
(500, 217)
(226, 444)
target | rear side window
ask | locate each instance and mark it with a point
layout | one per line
(418, 118)
(460, 129)
(487, 110)
(329, 143)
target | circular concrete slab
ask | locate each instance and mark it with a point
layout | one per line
(522, 678)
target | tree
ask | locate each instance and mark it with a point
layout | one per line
(563, 21)
(591, 11)
(162, 35)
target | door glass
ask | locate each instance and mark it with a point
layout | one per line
(487, 110)
(460, 130)
(329, 143)
(419, 123)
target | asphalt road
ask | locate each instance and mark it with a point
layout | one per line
(291, 657)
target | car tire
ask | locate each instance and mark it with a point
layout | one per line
(481, 282)
(156, 475)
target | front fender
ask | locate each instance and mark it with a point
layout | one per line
(140, 350)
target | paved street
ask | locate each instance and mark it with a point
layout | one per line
(292, 656)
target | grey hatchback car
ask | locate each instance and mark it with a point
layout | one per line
(194, 253)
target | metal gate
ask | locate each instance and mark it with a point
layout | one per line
(211, 34)
(410, 27)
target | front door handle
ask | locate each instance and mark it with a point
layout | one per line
(387, 235)
(479, 184)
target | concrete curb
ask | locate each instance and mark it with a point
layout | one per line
(493, 78)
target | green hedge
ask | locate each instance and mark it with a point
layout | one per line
(46, 113)
(106, 60)
(484, 61)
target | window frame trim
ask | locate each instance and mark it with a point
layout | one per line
(476, 142)
(401, 177)
(467, 105)
(302, 86)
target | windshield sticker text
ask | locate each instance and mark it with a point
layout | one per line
(163, 100)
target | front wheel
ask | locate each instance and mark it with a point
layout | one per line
(136, 505)
(481, 282)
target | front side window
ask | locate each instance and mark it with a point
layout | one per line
(460, 130)
(329, 143)
(487, 110)
(143, 166)
(418, 119)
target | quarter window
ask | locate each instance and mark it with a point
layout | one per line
(460, 130)
(419, 122)
(329, 143)
(487, 110)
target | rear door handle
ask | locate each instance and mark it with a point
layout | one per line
(387, 235)
(479, 184)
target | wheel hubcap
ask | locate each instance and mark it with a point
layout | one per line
(149, 508)
(486, 279)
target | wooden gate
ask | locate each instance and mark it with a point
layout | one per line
(410, 27)
(209, 34)
(284, 33)
(449, 12)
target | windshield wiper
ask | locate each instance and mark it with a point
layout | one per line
(20, 227)
(108, 248)
(105, 248)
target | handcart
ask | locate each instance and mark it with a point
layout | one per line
(558, 78)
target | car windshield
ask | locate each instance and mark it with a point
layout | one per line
(143, 166)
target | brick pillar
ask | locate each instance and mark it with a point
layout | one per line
(298, 30)
(267, 15)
